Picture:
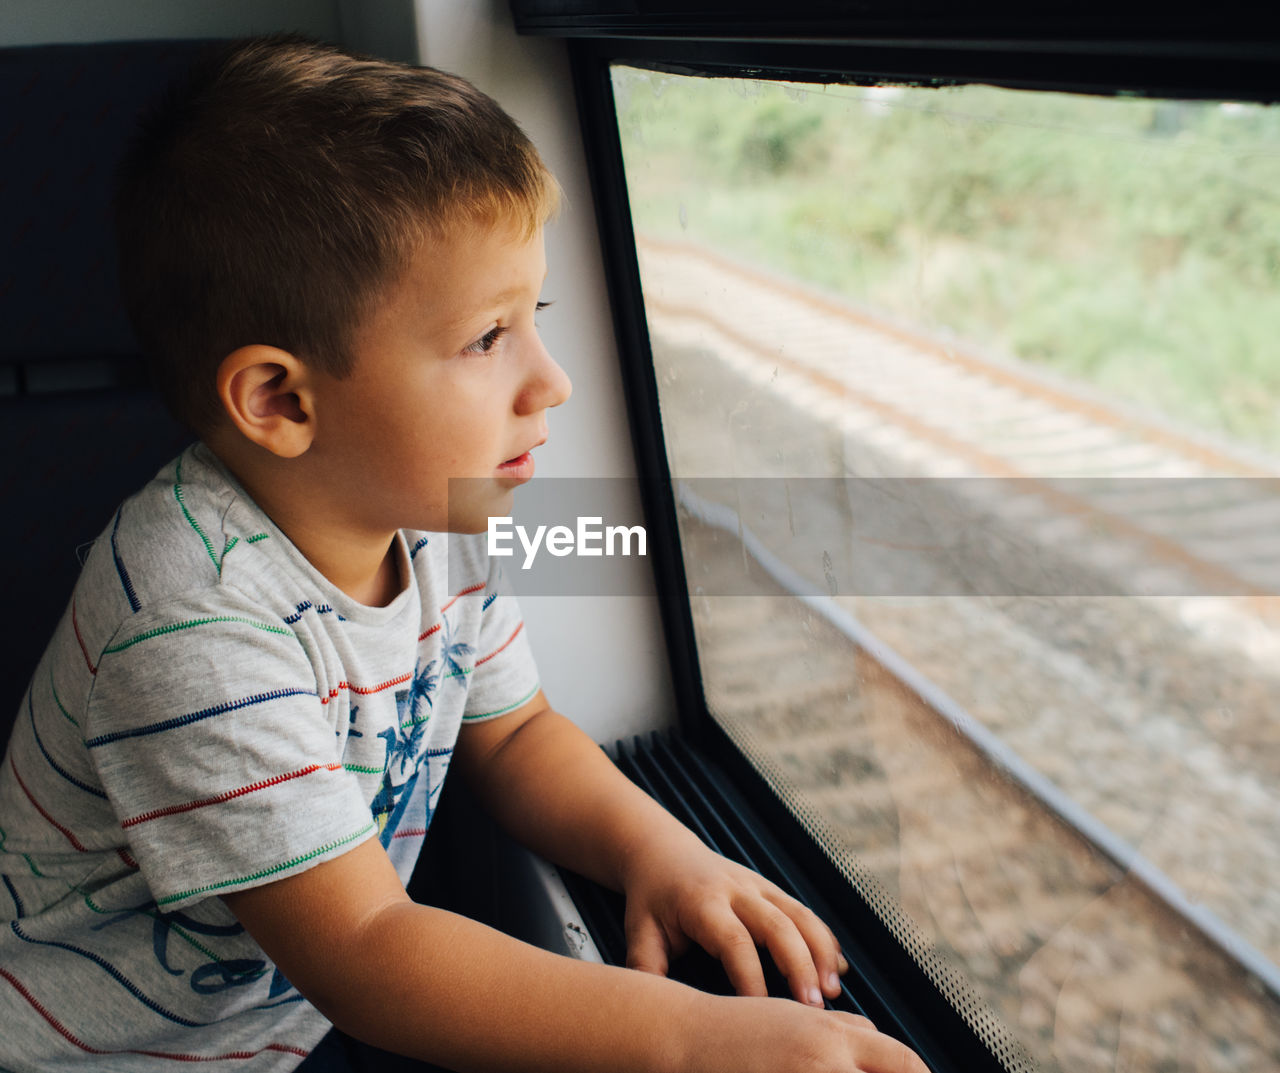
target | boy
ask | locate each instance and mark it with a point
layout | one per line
(231, 750)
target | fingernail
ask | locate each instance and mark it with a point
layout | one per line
(843, 965)
(813, 997)
(833, 982)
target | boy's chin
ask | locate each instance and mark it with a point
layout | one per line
(474, 517)
(469, 527)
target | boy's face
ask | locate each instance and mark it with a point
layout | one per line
(450, 379)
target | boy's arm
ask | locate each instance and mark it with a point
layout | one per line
(423, 982)
(555, 790)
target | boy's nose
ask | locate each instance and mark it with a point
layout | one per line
(561, 386)
(548, 386)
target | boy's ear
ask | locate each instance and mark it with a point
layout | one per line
(267, 394)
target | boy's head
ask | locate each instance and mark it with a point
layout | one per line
(273, 196)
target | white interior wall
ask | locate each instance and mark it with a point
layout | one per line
(603, 659)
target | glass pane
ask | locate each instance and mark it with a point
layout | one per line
(972, 401)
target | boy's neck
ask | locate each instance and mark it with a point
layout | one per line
(361, 563)
(367, 571)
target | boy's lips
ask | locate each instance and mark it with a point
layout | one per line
(517, 469)
(521, 466)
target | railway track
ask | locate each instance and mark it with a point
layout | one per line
(1154, 716)
(1086, 968)
(1158, 505)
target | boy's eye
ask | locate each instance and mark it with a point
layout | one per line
(490, 338)
(486, 342)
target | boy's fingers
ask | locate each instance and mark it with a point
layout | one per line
(877, 1053)
(726, 938)
(822, 944)
(775, 930)
(646, 946)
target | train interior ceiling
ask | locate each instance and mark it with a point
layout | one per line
(937, 356)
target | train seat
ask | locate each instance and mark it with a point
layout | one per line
(78, 431)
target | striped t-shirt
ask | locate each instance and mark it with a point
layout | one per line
(210, 715)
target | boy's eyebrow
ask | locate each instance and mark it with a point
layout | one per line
(508, 294)
(497, 299)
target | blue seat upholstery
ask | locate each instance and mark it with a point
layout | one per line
(78, 432)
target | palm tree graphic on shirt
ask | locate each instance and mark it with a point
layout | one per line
(452, 653)
(420, 692)
(403, 745)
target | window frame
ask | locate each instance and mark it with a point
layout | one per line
(1118, 48)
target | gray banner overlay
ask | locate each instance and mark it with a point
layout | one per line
(882, 536)
(571, 537)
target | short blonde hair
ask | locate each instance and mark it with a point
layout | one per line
(272, 195)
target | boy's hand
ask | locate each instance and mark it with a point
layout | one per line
(736, 1035)
(423, 982)
(690, 893)
(603, 826)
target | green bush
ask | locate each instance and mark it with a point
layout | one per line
(1133, 244)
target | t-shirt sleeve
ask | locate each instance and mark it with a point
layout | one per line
(213, 747)
(505, 675)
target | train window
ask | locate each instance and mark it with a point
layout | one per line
(970, 403)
